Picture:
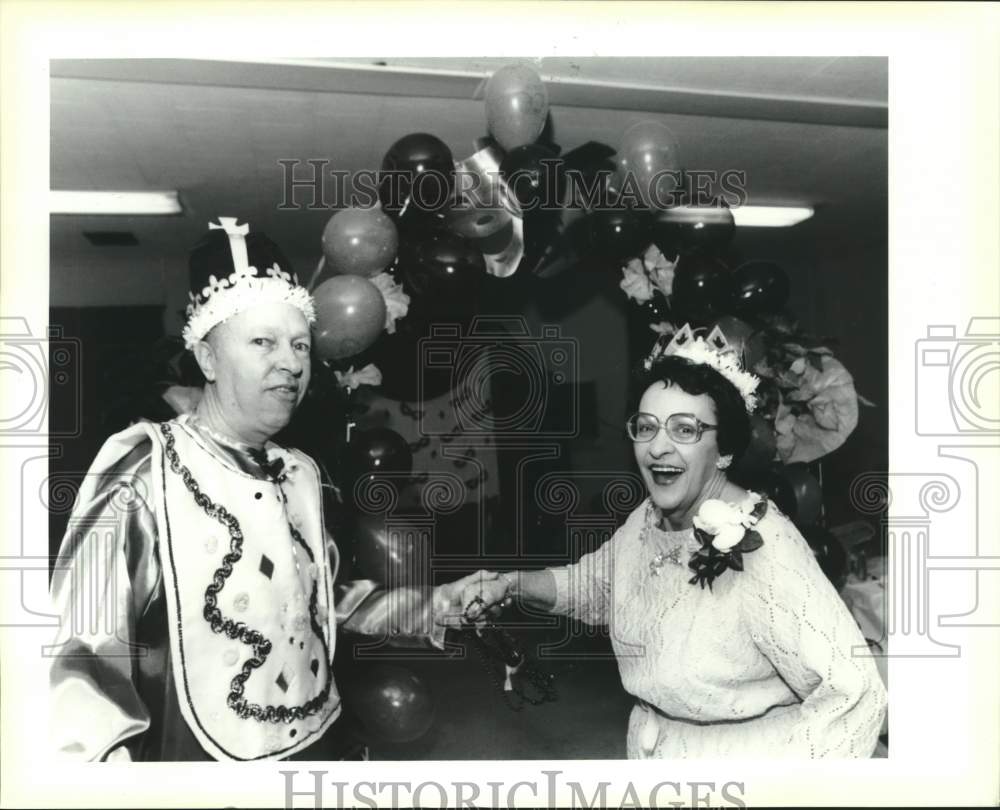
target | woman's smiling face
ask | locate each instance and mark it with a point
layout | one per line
(677, 475)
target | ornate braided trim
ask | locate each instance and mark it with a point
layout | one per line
(254, 639)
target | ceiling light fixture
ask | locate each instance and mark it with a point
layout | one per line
(771, 216)
(121, 203)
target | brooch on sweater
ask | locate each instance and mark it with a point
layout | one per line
(726, 532)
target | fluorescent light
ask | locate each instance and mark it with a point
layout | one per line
(127, 203)
(770, 216)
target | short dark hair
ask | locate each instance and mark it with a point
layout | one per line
(697, 378)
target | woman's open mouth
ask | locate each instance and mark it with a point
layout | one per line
(665, 474)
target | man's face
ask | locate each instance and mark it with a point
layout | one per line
(259, 359)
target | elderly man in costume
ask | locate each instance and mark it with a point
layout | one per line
(196, 578)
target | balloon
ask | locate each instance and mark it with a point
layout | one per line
(780, 491)
(807, 491)
(796, 493)
(535, 176)
(760, 287)
(618, 234)
(656, 308)
(443, 273)
(759, 454)
(419, 167)
(830, 553)
(687, 229)
(390, 557)
(649, 162)
(379, 450)
(702, 289)
(746, 341)
(359, 241)
(393, 703)
(350, 315)
(516, 105)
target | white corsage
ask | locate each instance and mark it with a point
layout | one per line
(726, 532)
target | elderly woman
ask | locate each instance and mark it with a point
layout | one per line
(725, 629)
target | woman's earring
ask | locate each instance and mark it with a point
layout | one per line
(722, 462)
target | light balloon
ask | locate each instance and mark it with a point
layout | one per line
(350, 315)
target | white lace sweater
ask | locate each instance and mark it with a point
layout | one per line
(769, 662)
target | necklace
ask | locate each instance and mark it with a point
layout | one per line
(655, 564)
(673, 554)
(661, 558)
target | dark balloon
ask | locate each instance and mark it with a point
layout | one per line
(389, 556)
(438, 299)
(780, 491)
(517, 105)
(761, 287)
(418, 167)
(618, 234)
(443, 273)
(759, 454)
(535, 176)
(689, 229)
(702, 290)
(379, 450)
(830, 553)
(808, 493)
(796, 492)
(350, 315)
(656, 308)
(394, 705)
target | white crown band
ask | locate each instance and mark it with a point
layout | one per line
(243, 292)
(715, 352)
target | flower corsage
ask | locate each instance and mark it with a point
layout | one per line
(726, 532)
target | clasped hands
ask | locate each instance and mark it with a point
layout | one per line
(472, 600)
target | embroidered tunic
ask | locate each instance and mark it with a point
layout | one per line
(769, 662)
(198, 609)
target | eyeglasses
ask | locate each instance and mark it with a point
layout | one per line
(683, 428)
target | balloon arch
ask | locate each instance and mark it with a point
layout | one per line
(520, 206)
